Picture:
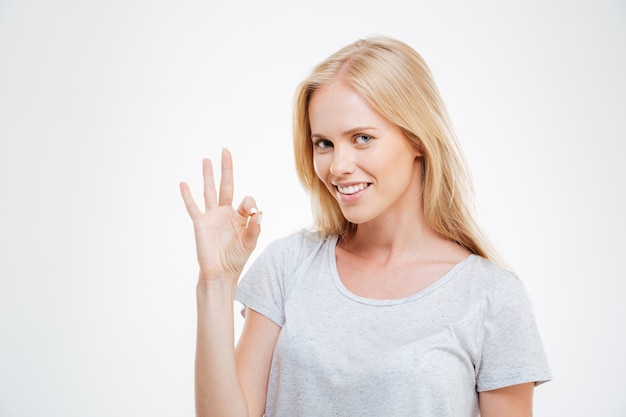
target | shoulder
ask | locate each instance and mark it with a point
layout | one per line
(486, 272)
(502, 288)
(301, 240)
(271, 277)
(292, 249)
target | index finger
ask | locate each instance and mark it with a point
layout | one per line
(227, 186)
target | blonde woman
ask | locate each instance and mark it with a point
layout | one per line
(394, 305)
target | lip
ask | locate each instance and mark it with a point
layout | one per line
(349, 192)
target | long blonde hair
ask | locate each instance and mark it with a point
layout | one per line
(394, 79)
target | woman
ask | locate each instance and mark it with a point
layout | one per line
(393, 305)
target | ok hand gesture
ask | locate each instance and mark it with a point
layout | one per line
(225, 237)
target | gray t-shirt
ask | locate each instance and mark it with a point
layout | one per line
(427, 354)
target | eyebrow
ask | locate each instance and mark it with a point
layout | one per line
(348, 132)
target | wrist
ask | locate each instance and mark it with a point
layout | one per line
(217, 285)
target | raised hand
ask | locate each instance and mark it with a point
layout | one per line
(225, 237)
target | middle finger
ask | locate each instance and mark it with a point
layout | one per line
(226, 182)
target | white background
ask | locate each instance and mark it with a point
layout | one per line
(106, 105)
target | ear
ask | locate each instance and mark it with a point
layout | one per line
(415, 143)
(417, 150)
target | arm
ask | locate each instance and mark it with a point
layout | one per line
(227, 382)
(254, 353)
(513, 401)
(218, 391)
(225, 238)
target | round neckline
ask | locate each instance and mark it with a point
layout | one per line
(332, 258)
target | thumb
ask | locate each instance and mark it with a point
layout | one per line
(248, 209)
(253, 230)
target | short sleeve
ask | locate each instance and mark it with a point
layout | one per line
(512, 352)
(263, 286)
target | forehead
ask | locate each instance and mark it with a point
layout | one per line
(338, 106)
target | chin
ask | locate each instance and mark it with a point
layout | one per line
(356, 219)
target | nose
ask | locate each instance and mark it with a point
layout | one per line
(343, 161)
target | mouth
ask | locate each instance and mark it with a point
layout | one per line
(352, 189)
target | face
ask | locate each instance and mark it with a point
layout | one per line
(364, 160)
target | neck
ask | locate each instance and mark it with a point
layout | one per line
(401, 238)
(390, 237)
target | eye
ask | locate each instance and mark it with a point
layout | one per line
(322, 144)
(362, 139)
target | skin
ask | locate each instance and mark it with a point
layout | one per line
(392, 254)
(354, 145)
(226, 383)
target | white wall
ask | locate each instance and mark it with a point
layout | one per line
(106, 105)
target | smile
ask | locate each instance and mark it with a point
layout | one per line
(351, 189)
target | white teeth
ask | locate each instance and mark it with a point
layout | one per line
(351, 189)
